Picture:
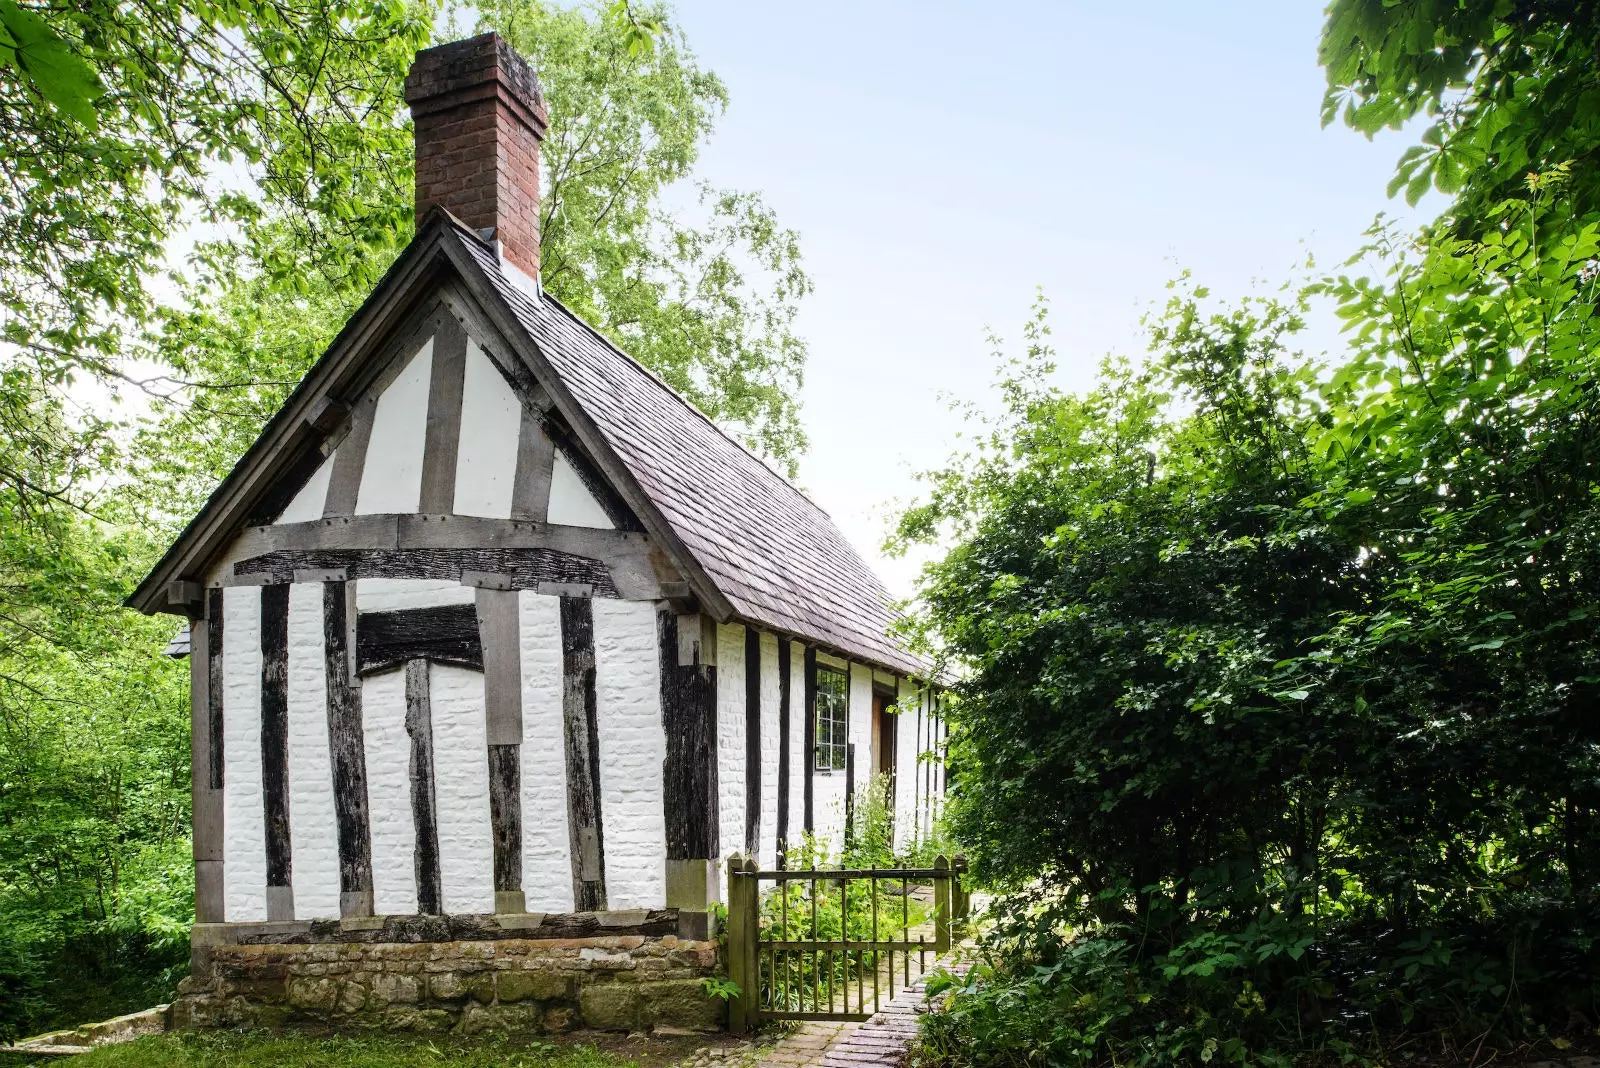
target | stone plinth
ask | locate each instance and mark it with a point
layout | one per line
(615, 979)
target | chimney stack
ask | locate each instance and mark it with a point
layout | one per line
(479, 116)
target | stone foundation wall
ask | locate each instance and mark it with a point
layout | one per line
(607, 982)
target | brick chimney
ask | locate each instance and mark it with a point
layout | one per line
(479, 117)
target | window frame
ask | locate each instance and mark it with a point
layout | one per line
(832, 722)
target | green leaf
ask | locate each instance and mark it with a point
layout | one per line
(32, 47)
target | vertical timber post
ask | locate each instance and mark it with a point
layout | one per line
(941, 904)
(743, 930)
(962, 896)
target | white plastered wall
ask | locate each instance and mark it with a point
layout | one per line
(313, 830)
(730, 745)
(394, 832)
(546, 846)
(799, 757)
(308, 503)
(486, 458)
(391, 477)
(768, 840)
(633, 749)
(461, 789)
(861, 725)
(244, 872)
(571, 503)
(396, 594)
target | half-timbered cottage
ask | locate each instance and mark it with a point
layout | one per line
(492, 623)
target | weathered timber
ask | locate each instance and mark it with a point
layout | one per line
(499, 630)
(639, 571)
(205, 802)
(214, 687)
(424, 802)
(689, 722)
(505, 814)
(752, 741)
(346, 747)
(443, 434)
(849, 792)
(349, 460)
(526, 568)
(530, 493)
(446, 633)
(582, 744)
(811, 738)
(283, 491)
(275, 733)
(462, 927)
(785, 678)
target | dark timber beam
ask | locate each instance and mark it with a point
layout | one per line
(581, 737)
(689, 801)
(347, 748)
(206, 799)
(499, 627)
(811, 738)
(443, 435)
(424, 798)
(275, 749)
(536, 453)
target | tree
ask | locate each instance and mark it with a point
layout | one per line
(707, 301)
(1510, 88)
(1278, 674)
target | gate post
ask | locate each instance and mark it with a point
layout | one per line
(744, 928)
(942, 904)
(962, 896)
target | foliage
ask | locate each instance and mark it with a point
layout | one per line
(1509, 88)
(95, 879)
(280, 1050)
(704, 295)
(1274, 672)
(279, 135)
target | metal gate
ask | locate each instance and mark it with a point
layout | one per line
(834, 944)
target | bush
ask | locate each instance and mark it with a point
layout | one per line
(1281, 677)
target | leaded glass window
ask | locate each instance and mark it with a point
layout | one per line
(833, 720)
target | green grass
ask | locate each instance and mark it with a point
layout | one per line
(262, 1050)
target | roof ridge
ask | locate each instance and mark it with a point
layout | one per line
(545, 294)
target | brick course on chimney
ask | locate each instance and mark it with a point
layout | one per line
(479, 116)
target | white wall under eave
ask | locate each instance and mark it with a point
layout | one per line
(799, 756)
(861, 724)
(394, 830)
(768, 850)
(730, 744)
(397, 594)
(461, 789)
(633, 749)
(486, 458)
(313, 830)
(571, 503)
(244, 871)
(307, 505)
(391, 476)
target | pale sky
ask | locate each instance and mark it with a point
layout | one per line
(941, 161)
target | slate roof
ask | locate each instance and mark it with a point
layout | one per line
(777, 557)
